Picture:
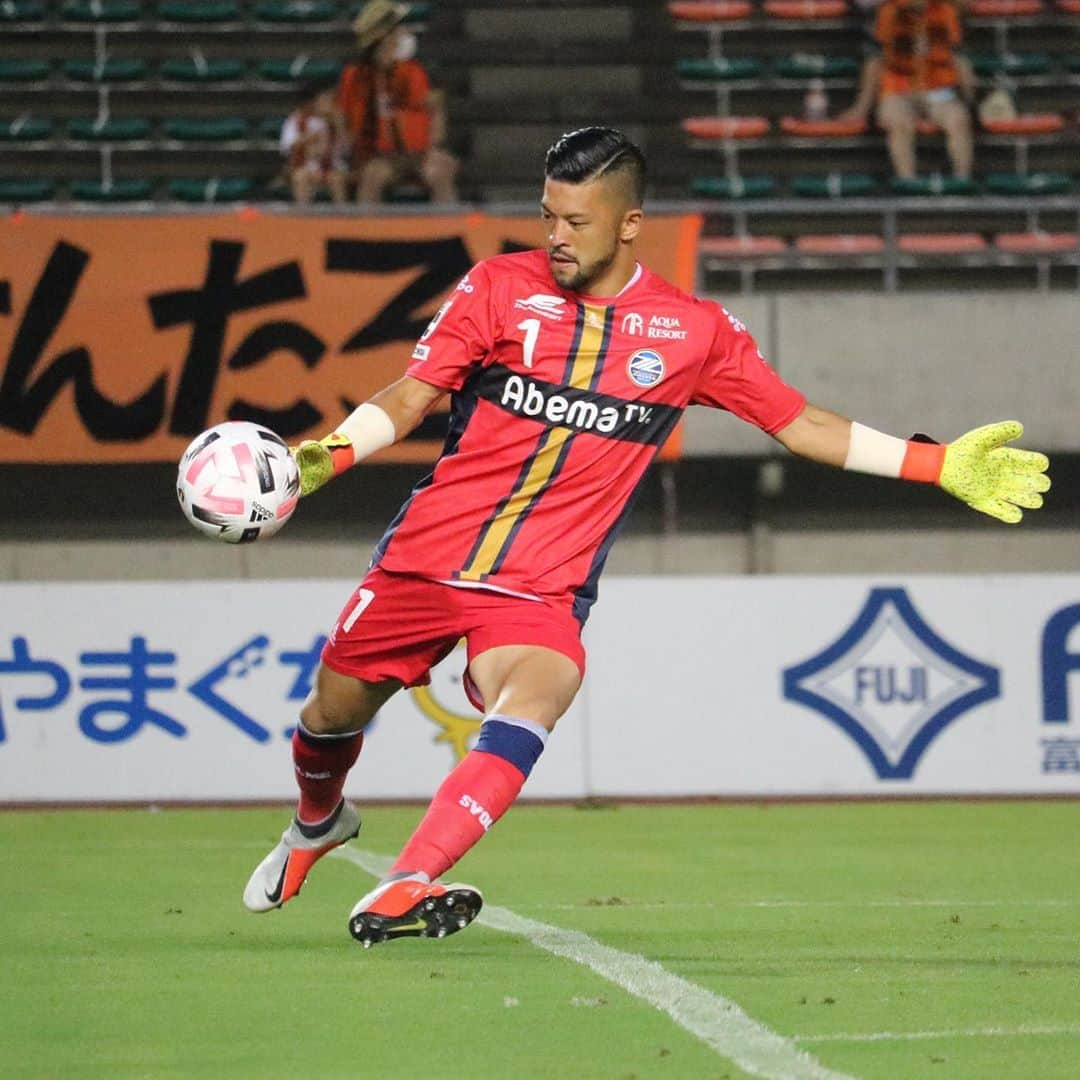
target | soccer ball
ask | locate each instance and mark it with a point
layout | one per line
(238, 482)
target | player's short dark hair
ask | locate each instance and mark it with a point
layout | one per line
(591, 152)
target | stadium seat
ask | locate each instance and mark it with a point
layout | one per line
(987, 65)
(198, 69)
(105, 71)
(1002, 9)
(834, 186)
(1042, 183)
(960, 243)
(204, 11)
(296, 11)
(19, 11)
(24, 70)
(742, 247)
(211, 189)
(932, 185)
(1069, 7)
(733, 187)
(802, 10)
(117, 191)
(1026, 124)
(209, 129)
(816, 65)
(706, 11)
(16, 190)
(25, 129)
(1037, 243)
(725, 127)
(841, 244)
(101, 11)
(1072, 62)
(822, 129)
(299, 69)
(269, 127)
(719, 69)
(115, 129)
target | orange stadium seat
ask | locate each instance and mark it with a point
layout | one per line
(960, 243)
(725, 127)
(806, 9)
(742, 247)
(1001, 9)
(840, 244)
(1070, 7)
(1026, 124)
(1037, 243)
(710, 10)
(822, 129)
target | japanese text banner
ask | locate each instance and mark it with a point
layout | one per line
(123, 338)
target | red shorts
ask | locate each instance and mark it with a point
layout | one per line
(398, 626)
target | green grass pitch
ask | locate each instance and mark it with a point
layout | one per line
(895, 940)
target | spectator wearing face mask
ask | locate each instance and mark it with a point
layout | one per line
(395, 119)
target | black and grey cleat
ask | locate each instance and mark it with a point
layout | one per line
(410, 908)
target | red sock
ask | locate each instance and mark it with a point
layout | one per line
(469, 801)
(322, 763)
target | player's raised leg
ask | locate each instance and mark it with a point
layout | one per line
(325, 746)
(526, 688)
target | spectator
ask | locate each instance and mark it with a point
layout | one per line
(918, 74)
(395, 120)
(315, 146)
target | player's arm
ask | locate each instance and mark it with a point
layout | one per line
(977, 468)
(380, 422)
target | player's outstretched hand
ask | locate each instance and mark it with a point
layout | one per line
(313, 461)
(996, 479)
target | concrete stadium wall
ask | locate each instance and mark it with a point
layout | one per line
(940, 364)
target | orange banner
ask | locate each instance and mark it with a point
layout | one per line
(121, 338)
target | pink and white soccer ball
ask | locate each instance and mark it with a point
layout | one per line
(238, 482)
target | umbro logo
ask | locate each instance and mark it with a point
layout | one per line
(551, 307)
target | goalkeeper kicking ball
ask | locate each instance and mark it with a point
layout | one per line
(238, 482)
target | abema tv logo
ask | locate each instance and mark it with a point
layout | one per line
(891, 683)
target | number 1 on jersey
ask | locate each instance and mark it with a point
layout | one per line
(532, 332)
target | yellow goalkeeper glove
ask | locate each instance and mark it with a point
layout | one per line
(321, 461)
(998, 480)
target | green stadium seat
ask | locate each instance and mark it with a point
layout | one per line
(932, 185)
(105, 71)
(209, 189)
(406, 192)
(1072, 62)
(418, 13)
(1042, 183)
(24, 70)
(17, 11)
(115, 129)
(269, 127)
(22, 191)
(733, 187)
(296, 11)
(719, 69)
(987, 65)
(135, 190)
(833, 186)
(198, 69)
(101, 11)
(816, 65)
(25, 129)
(213, 129)
(299, 69)
(203, 11)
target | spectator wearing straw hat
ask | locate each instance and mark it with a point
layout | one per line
(395, 119)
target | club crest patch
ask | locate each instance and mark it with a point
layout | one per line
(645, 367)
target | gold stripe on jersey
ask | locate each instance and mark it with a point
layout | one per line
(548, 454)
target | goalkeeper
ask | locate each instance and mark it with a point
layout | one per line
(568, 367)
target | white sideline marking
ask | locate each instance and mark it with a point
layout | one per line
(714, 1019)
(961, 1033)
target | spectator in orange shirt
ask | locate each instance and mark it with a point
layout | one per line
(395, 119)
(920, 77)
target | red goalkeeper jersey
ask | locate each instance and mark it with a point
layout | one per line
(560, 401)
